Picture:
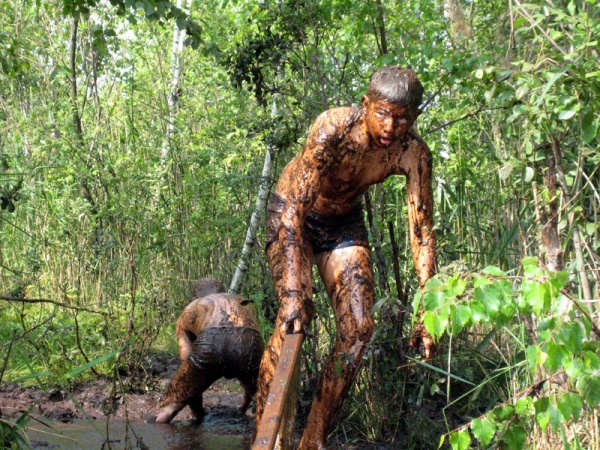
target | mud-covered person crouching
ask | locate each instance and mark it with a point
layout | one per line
(218, 336)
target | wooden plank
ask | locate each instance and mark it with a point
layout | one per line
(276, 428)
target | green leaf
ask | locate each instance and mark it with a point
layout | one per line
(433, 300)
(555, 356)
(460, 440)
(589, 386)
(535, 294)
(570, 402)
(553, 78)
(524, 406)
(434, 325)
(483, 429)
(494, 271)
(481, 281)
(535, 357)
(460, 317)
(433, 283)
(555, 416)
(93, 363)
(515, 437)
(542, 419)
(504, 412)
(566, 114)
(589, 133)
(530, 266)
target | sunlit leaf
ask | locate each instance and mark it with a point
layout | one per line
(460, 440)
(483, 429)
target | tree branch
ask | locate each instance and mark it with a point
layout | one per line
(53, 302)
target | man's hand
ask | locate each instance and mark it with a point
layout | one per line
(422, 341)
(293, 314)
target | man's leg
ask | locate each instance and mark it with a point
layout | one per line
(273, 349)
(348, 278)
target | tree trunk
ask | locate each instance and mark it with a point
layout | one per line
(583, 280)
(263, 192)
(551, 253)
(176, 73)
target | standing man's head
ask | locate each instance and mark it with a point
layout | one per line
(392, 104)
(396, 85)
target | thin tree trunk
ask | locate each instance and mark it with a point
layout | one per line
(263, 192)
(381, 26)
(176, 73)
(551, 252)
(585, 285)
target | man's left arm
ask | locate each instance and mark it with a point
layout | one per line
(422, 238)
(420, 213)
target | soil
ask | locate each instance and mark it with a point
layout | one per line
(91, 399)
(78, 416)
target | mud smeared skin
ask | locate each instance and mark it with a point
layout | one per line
(217, 337)
(347, 150)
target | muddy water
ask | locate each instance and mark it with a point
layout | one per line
(222, 428)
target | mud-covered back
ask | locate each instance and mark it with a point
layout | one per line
(221, 310)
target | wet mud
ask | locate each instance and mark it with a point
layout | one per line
(75, 418)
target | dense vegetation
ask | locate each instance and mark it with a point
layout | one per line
(119, 188)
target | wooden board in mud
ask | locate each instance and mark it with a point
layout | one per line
(276, 429)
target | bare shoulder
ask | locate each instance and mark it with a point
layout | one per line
(416, 156)
(334, 123)
(416, 142)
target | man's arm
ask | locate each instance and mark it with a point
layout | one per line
(300, 185)
(422, 238)
(419, 193)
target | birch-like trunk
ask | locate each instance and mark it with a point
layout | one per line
(176, 73)
(263, 192)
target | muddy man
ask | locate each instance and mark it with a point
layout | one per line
(218, 336)
(315, 213)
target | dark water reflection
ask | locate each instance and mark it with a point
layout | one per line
(222, 428)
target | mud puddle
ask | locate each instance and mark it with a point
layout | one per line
(223, 428)
(75, 417)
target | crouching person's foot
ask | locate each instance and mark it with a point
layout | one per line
(165, 413)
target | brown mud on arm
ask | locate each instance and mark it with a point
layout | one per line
(300, 184)
(422, 237)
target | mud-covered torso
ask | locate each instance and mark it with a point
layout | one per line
(349, 165)
(222, 310)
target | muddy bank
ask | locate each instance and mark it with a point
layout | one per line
(88, 415)
(77, 418)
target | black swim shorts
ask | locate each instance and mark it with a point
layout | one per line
(232, 351)
(324, 233)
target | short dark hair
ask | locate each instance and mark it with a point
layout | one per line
(396, 85)
(207, 286)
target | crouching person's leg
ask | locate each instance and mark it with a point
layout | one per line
(186, 388)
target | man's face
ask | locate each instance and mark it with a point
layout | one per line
(387, 122)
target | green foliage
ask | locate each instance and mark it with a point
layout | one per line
(563, 343)
(97, 219)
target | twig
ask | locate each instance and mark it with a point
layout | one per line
(6, 359)
(533, 23)
(54, 302)
(466, 116)
(595, 328)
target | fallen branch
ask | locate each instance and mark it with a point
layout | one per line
(53, 302)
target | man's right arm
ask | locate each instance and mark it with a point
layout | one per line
(300, 185)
